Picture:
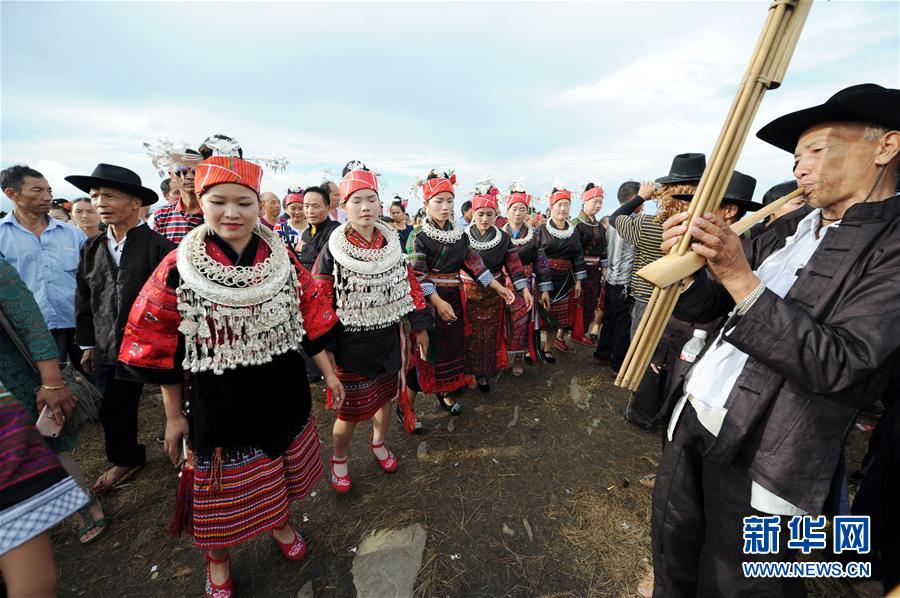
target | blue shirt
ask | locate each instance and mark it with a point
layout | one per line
(46, 264)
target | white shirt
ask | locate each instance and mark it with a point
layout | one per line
(117, 247)
(709, 383)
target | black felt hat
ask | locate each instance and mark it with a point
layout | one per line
(739, 192)
(117, 177)
(865, 103)
(686, 168)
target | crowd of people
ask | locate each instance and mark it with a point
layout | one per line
(223, 289)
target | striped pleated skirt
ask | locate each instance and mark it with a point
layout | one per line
(239, 496)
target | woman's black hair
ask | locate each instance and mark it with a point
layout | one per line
(554, 190)
(398, 201)
(589, 186)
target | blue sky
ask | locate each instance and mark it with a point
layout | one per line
(571, 91)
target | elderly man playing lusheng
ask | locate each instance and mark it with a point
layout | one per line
(810, 338)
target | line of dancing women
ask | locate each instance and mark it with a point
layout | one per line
(233, 308)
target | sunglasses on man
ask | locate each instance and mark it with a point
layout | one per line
(181, 171)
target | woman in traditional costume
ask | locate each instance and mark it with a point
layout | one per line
(524, 334)
(488, 317)
(438, 251)
(227, 311)
(593, 243)
(363, 272)
(400, 220)
(292, 229)
(565, 257)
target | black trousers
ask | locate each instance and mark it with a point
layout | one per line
(66, 346)
(697, 524)
(645, 408)
(879, 495)
(615, 334)
(119, 416)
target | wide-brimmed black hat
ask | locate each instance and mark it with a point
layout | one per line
(739, 192)
(865, 103)
(107, 175)
(686, 168)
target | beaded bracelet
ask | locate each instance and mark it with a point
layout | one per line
(750, 299)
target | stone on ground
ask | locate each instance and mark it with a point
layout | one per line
(306, 591)
(387, 563)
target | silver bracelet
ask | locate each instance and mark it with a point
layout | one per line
(745, 305)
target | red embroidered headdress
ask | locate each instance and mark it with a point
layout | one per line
(485, 200)
(443, 182)
(357, 177)
(293, 198)
(560, 194)
(518, 197)
(592, 193)
(222, 169)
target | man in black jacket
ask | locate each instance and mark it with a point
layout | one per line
(114, 267)
(762, 413)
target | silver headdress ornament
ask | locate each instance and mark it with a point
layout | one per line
(273, 163)
(517, 186)
(483, 187)
(444, 173)
(558, 184)
(166, 155)
(222, 146)
(231, 148)
(356, 165)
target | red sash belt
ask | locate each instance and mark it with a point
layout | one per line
(559, 264)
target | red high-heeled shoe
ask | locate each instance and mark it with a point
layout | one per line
(389, 463)
(294, 550)
(341, 484)
(223, 590)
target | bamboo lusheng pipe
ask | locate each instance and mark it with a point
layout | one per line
(671, 268)
(768, 64)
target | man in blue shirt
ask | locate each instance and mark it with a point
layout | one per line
(44, 251)
(466, 219)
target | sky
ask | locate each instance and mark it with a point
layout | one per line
(549, 92)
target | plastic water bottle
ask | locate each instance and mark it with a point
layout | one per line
(692, 348)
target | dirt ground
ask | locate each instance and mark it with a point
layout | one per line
(532, 491)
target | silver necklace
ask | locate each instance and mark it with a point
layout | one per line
(522, 240)
(560, 234)
(484, 245)
(442, 236)
(362, 260)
